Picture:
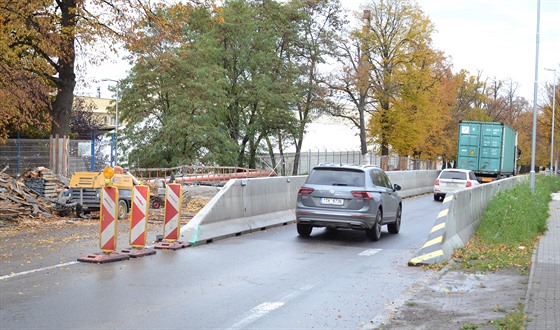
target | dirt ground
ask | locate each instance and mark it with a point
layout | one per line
(449, 300)
(457, 300)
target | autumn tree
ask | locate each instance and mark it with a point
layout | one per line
(350, 84)
(395, 38)
(544, 124)
(84, 122)
(40, 41)
(421, 108)
(25, 84)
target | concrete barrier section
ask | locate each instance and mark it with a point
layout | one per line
(413, 182)
(246, 205)
(464, 211)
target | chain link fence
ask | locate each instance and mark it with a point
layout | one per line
(284, 164)
(20, 155)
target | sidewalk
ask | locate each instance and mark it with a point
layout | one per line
(542, 304)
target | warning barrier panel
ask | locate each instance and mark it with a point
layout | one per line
(139, 223)
(172, 218)
(107, 219)
(108, 216)
(139, 216)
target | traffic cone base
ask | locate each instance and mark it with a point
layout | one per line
(137, 253)
(170, 245)
(102, 258)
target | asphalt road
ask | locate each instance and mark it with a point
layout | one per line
(269, 279)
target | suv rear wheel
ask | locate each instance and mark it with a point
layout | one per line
(374, 233)
(304, 229)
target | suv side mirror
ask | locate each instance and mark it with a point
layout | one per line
(396, 187)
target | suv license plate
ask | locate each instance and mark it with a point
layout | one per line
(332, 201)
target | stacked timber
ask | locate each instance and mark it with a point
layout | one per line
(42, 181)
(18, 202)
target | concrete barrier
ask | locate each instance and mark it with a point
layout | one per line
(458, 219)
(247, 205)
(243, 206)
(413, 182)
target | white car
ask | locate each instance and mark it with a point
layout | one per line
(453, 179)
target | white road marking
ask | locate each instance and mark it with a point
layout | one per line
(263, 309)
(256, 313)
(5, 277)
(369, 252)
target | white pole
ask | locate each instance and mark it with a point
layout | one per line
(117, 126)
(535, 89)
(553, 112)
(116, 120)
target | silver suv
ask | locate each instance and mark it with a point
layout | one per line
(348, 197)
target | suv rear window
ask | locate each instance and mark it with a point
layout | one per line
(336, 177)
(455, 175)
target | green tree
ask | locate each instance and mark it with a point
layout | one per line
(350, 85)
(319, 25)
(173, 99)
(259, 78)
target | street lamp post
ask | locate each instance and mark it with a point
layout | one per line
(535, 89)
(553, 171)
(116, 120)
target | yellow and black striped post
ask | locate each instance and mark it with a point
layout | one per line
(432, 252)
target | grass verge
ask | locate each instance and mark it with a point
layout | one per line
(511, 225)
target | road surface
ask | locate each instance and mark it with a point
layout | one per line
(263, 280)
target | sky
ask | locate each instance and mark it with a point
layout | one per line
(498, 38)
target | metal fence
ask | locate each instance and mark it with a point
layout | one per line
(20, 155)
(284, 164)
(27, 154)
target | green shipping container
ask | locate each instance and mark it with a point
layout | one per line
(489, 149)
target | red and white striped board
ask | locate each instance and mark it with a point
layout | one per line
(172, 218)
(139, 216)
(108, 219)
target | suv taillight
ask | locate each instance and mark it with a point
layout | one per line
(362, 194)
(436, 183)
(469, 184)
(305, 191)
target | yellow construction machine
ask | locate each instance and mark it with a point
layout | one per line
(85, 188)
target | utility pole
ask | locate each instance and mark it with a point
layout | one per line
(552, 169)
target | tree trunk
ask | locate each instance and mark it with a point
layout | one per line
(383, 139)
(271, 153)
(297, 156)
(363, 142)
(61, 110)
